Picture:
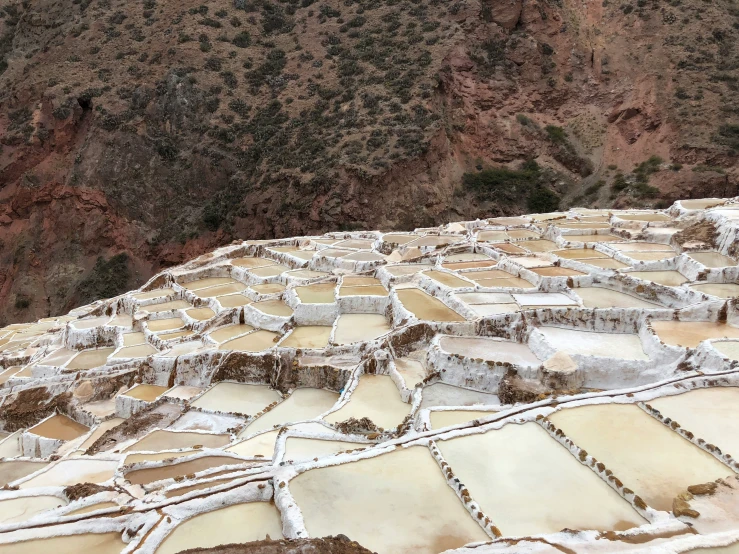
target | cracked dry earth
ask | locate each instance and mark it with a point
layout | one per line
(557, 382)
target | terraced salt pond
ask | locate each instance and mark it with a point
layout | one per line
(71, 472)
(100, 543)
(712, 259)
(302, 450)
(395, 503)
(375, 397)
(722, 290)
(446, 418)
(59, 427)
(88, 359)
(351, 328)
(587, 343)
(235, 524)
(308, 336)
(237, 398)
(15, 510)
(179, 469)
(598, 297)
(490, 349)
(253, 342)
(302, 404)
(148, 393)
(691, 333)
(426, 307)
(666, 278)
(576, 499)
(650, 459)
(710, 414)
(172, 440)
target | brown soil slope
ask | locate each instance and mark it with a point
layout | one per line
(134, 135)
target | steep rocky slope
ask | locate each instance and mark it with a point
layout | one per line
(137, 134)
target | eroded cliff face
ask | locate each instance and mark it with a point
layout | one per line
(160, 130)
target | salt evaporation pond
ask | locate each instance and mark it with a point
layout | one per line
(237, 398)
(412, 371)
(598, 297)
(308, 336)
(666, 278)
(588, 343)
(394, 503)
(322, 293)
(576, 499)
(236, 524)
(446, 418)
(170, 440)
(16, 510)
(375, 397)
(648, 457)
(59, 427)
(148, 393)
(99, 543)
(712, 259)
(88, 359)
(447, 279)
(722, 290)
(302, 450)
(710, 414)
(426, 307)
(490, 349)
(73, 471)
(252, 342)
(691, 333)
(14, 470)
(730, 349)
(188, 467)
(442, 394)
(261, 446)
(351, 328)
(222, 334)
(303, 404)
(167, 324)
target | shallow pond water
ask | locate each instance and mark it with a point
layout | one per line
(375, 397)
(394, 503)
(516, 490)
(237, 398)
(302, 404)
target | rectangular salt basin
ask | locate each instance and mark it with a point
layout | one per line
(167, 324)
(301, 405)
(261, 446)
(321, 293)
(72, 471)
(710, 414)
(251, 263)
(183, 392)
(372, 290)
(181, 468)
(273, 307)
(157, 293)
(544, 299)
(302, 450)
(59, 427)
(712, 259)
(642, 247)
(728, 349)
(308, 336)
(88, 359)
(691, 333)
(394, 503)
(605, 263)
(269, 271)
(426, 307)
(579, 253)
(220, 290)
(650, 458)
(136, 351)
(490, 349)
(598, 297)
(448, 279)
(167, 306)
(485, 297)
(148, 393)
(132, 339)
(252, 342)
(208, 282)
(240, 523)
(375, 397)
(237, 398)
(162, 439)
(447, 418)
(666, 278)
(222, 334)
(351, 328)
(556, 271)
(587, 343)
(510, 472)
(99, 543)
(16, 510)
(721, 290)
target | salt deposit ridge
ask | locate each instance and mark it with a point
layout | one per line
(562, 382)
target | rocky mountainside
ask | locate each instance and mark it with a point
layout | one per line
(134, 135)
